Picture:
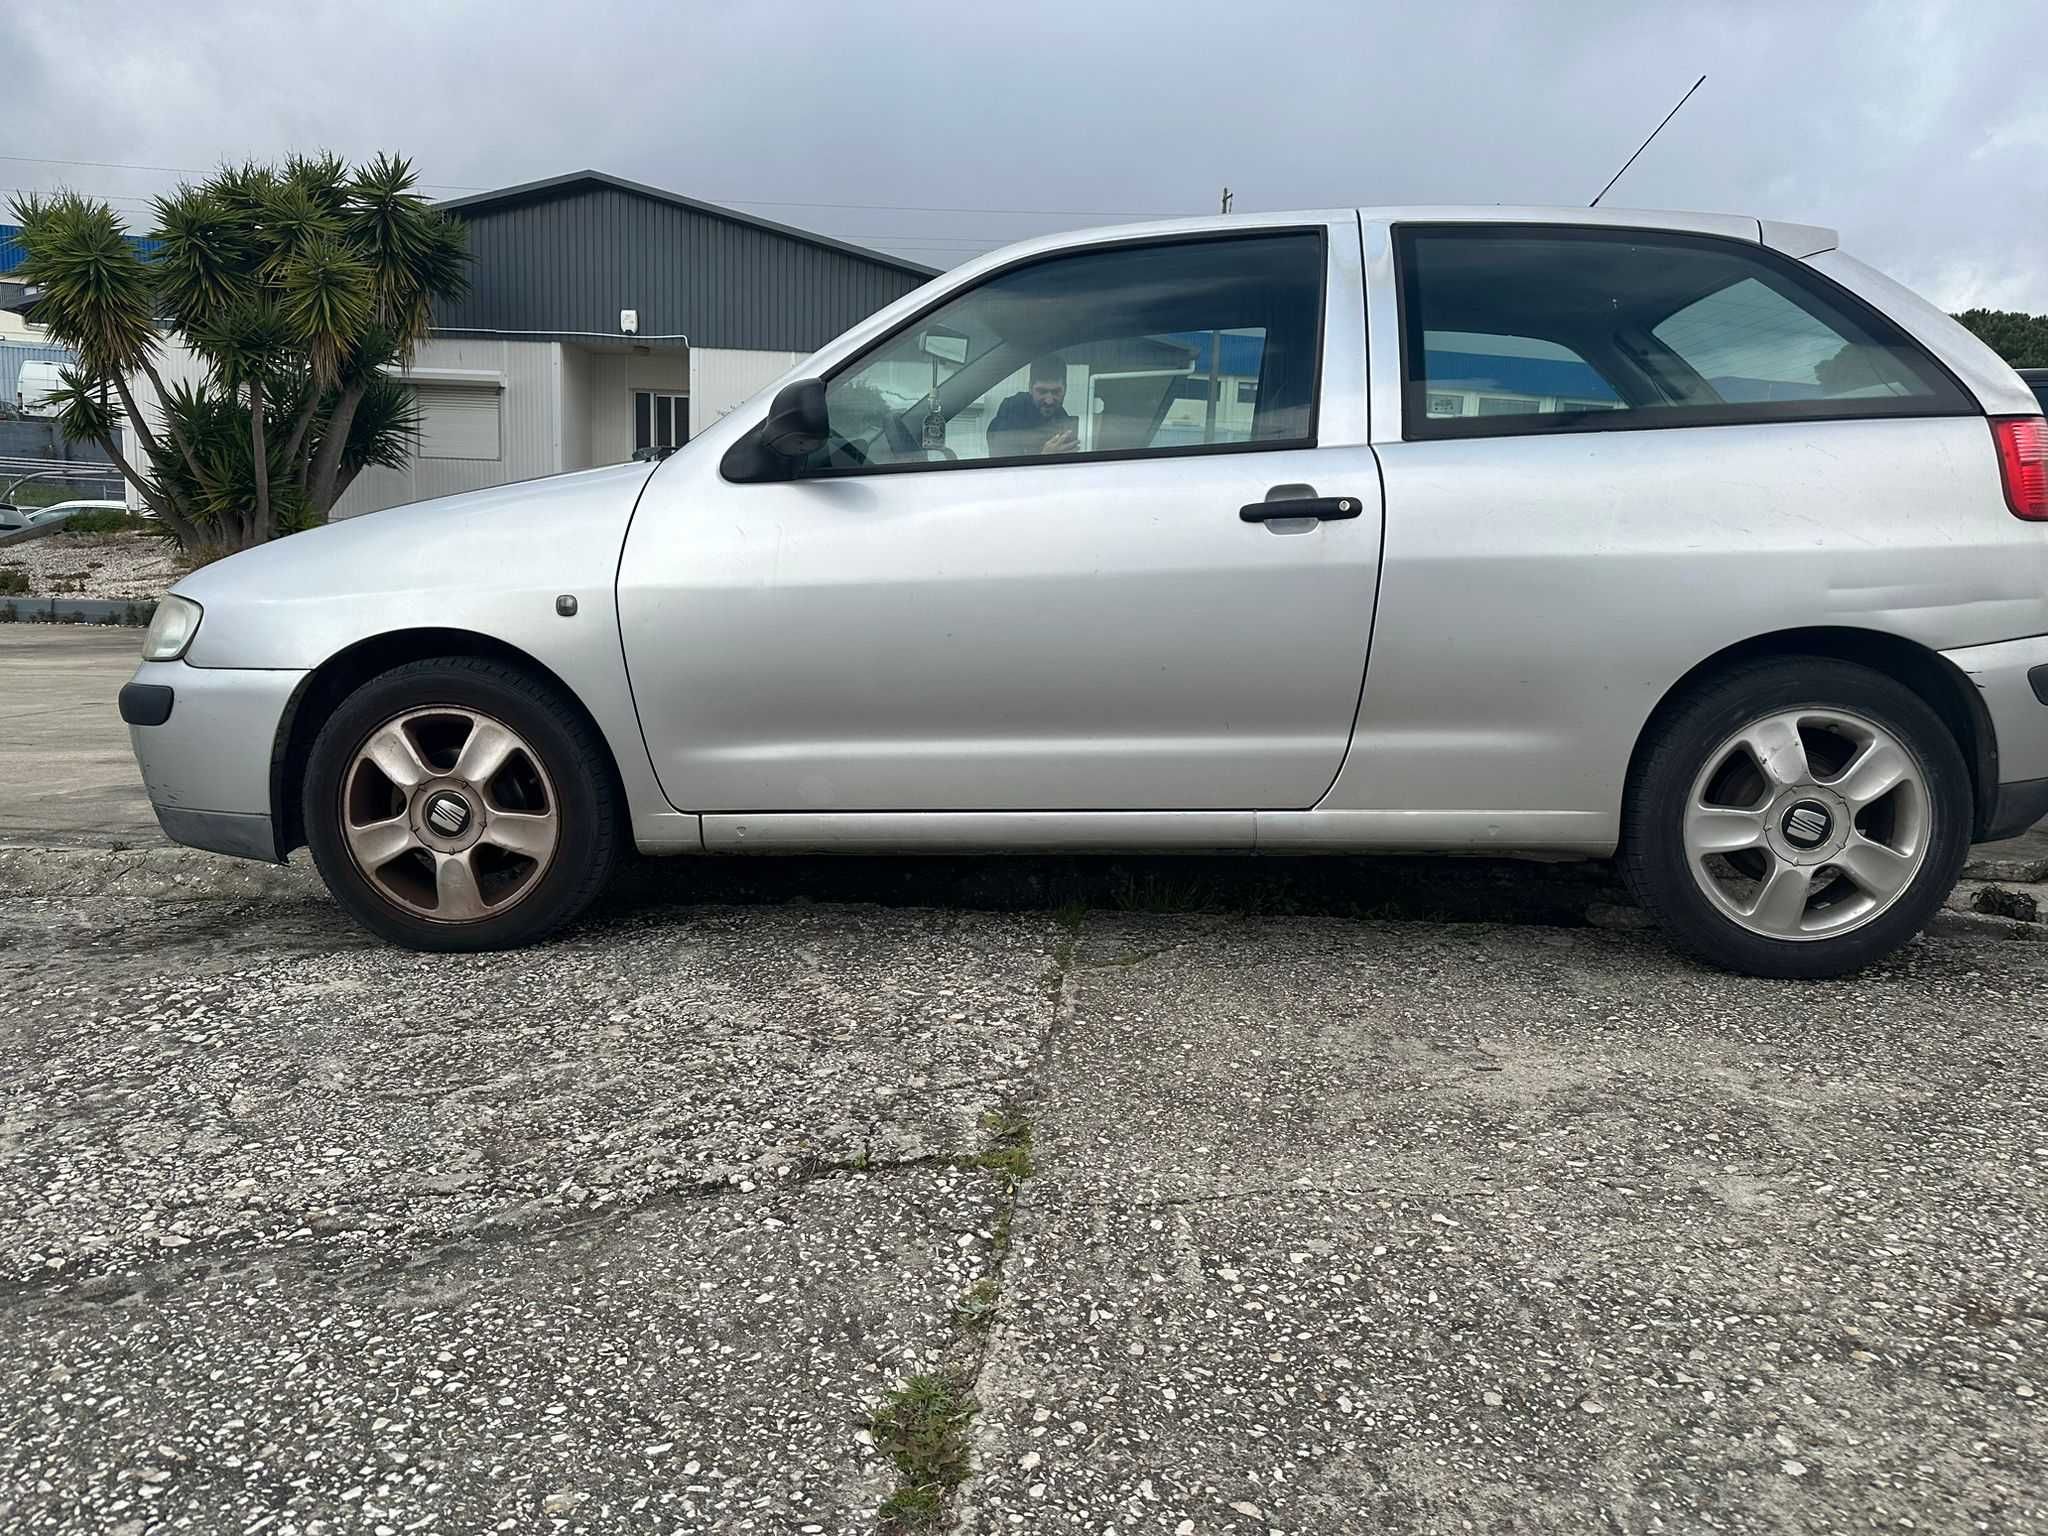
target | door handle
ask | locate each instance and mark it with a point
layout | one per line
(1328, 509)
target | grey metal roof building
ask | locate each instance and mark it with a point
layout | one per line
(560, 258)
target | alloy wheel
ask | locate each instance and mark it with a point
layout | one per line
(1807, 823)
(449, 814)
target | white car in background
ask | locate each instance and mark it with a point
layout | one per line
(64, 510)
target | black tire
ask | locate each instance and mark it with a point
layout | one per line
(1653, 859)
(571, 753)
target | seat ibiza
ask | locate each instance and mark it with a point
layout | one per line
(1685, 538)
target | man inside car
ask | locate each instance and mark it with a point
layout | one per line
(1036, 421)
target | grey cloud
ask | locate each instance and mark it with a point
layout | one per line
(1914, 129)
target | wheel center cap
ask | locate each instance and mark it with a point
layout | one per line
(1807, 824)
(448, 814)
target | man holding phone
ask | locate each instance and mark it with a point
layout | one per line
(1036, 422)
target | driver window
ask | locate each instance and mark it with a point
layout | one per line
(1184, 348)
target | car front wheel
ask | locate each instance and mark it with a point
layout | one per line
(460, 804)
(1801, 817)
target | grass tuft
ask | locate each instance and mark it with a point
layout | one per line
(922, 1428)
(975, 1311)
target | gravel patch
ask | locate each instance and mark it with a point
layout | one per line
(96, 565)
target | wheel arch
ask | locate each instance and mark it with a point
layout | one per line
(324, 688)
(1940, 684)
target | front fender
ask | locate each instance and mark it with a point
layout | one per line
(490, 563)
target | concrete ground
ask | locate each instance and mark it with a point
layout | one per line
(67, 776)
(1336, 1220)
(1334, 1226)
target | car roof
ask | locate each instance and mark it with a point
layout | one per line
(1799, 240)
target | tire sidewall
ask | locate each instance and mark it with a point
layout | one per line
(572, 770)
(1655, 844)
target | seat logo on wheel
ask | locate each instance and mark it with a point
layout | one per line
(447, 814)
(1808, 824)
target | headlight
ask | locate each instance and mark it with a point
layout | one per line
(171, 629)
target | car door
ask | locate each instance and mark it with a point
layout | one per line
(965, 602)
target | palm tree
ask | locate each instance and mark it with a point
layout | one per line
(296, 286)
(415, 257)
(95, 297)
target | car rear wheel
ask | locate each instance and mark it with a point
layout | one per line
(1801, 817)
(460, 804)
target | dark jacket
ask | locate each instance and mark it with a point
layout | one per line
(1019, 429)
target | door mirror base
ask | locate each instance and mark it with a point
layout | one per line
(794, 428)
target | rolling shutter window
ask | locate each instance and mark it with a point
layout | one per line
(459, 421)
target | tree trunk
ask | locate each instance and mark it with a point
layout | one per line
(259, 531)
(152, 495)
(168, 507)
(327, 466)
(294, 462)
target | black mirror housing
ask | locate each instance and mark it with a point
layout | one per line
(796, 426)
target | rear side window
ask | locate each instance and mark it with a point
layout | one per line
(1515, 329)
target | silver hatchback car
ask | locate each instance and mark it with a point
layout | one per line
(1682, 536)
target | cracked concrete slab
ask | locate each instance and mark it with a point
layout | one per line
(349, 1088)
(700, 1365)
(1351, 1225)
(305, 1229)
(1402, 1228)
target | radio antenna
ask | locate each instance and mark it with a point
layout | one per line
(1631, 160)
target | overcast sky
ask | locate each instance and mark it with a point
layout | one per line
(1918, 130)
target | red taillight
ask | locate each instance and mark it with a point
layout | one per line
(2023, 464)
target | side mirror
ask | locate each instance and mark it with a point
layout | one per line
(795, 427)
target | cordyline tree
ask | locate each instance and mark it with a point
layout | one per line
(296, 287)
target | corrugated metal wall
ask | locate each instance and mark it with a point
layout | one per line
(571, 260)
(531, 429)
(721, 378)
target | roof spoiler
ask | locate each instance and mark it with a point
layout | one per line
(1800, 240)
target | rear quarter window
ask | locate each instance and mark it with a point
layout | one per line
(1524, 328)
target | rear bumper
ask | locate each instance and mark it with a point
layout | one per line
(206, 762)
(2005, 678)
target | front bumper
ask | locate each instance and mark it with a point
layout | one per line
(2007, 676)
(207, 761)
